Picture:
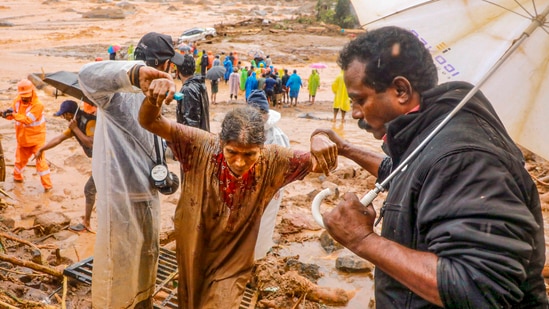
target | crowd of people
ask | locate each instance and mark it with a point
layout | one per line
(462, 223)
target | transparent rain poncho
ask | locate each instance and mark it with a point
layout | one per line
(127, 241)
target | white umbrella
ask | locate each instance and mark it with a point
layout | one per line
(500, 46)
(467, 38)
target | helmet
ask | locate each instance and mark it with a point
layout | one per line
(25, 88)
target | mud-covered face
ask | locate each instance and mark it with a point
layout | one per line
(241, 157)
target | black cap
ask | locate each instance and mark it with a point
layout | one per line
(68, 106)
(155, 48)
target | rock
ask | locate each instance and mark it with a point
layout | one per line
(4, 23)
(309, 271)
(329, 185)
(36, 256)
(328, 243)
(297, 221)
(353, 264)
(346, 172)
(35, 295)
(105, 13)
(50, 223)
(7, 222)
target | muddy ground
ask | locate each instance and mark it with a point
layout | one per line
(58, 35)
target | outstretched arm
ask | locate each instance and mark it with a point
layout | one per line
(49, 145)
(159, 89)
(368, 160)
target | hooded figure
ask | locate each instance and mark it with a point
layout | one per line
(273, 135)
(251, 84)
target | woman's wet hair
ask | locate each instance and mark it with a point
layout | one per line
(243, 125)
(389, 52)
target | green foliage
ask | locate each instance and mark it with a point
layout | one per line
(305, 20)
(339, 12)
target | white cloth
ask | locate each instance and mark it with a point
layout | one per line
(273, 135)
(128, 215)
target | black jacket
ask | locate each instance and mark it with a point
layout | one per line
(194, 109)
(468, 199)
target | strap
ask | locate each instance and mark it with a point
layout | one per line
(159, 151)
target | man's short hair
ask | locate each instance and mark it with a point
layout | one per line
(389, 52)
(188, 66)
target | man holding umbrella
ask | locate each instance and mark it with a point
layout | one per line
(82, 127)
(462, 223)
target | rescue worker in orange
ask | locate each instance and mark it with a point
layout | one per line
(30, 132)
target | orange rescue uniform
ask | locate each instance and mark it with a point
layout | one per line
(30, 132)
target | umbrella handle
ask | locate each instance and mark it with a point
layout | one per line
(315, 206)
(317, 201)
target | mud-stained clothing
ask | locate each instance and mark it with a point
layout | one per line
(218, 215)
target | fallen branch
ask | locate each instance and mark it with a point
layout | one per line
(4, 305)
(167, 237)
(299, 285)
(27, 303)
(10, 237)
(18, 272)
(541, 181)
(31, 265)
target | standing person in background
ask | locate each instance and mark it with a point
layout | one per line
(228, 64)
(214, 87)
(341, 99)
(462, 221)
(203, 63)
(234, 83)
(277, 98)
(273, 135)
(82, 127)
(294, 84)
(128, 207)
(130, 52)
(236, 63)
(251, 84)
(30, 132)
(243, 78)
(270, 83)
(261, 82)
(314, 83)
(194, 108)
(211, 59)
(216, 61)
(286, 90)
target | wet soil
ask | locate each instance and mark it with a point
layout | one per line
(56, 35)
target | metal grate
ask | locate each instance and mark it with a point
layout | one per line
(249, 299)
(165, 294)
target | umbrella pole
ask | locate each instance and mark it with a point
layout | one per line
(536, 23)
